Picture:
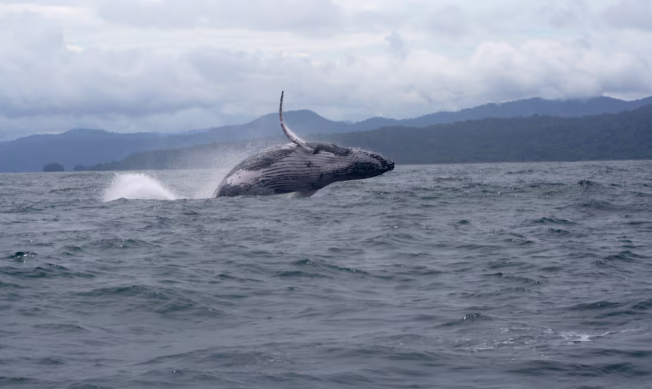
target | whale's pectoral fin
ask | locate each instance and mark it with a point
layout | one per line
(291, 135)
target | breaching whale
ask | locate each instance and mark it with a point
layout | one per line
(301, 167)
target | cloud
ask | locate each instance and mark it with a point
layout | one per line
(397, 46)
(557, 70)
(632, 14)
(566, 14)
(29, 32)
(169, 65)
(308, 16)
(449, 20)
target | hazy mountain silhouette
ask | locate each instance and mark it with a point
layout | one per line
(520, 108)
(626, 135)
(90, 147)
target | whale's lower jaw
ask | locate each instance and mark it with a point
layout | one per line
(230, 190)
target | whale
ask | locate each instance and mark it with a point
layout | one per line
(299, 167)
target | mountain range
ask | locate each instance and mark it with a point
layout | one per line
(89, 147)
(626, 135)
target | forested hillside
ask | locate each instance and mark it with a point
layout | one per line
(626, 135)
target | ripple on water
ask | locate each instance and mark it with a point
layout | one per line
(425, 276)
(47, 270)
(552, 220)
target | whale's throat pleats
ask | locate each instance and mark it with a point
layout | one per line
(300, 173)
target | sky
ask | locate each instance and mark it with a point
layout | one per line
(176, 65)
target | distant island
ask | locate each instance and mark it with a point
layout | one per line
(81, 149)
(538, 138)
(53, 167)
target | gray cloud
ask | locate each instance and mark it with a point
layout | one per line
(566, 14)
(397, 45)
(204, 65)
(314, 15)
(449, 20)
(635, 14)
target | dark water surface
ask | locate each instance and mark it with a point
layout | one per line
(454, 276)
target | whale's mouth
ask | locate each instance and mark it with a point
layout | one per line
(385, 164)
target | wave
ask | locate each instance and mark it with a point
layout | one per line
(137, 186)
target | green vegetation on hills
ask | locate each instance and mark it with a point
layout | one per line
(53, 167)
(627, 135)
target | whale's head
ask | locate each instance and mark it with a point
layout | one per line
(349, 163)
(364, 164)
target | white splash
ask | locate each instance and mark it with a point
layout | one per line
(578, 337)
(137, 186)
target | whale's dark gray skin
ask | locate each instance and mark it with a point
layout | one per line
(300, 167)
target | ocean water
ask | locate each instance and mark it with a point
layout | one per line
(446, 276)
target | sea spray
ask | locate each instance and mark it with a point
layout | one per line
(193, 183)
(137, 186)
